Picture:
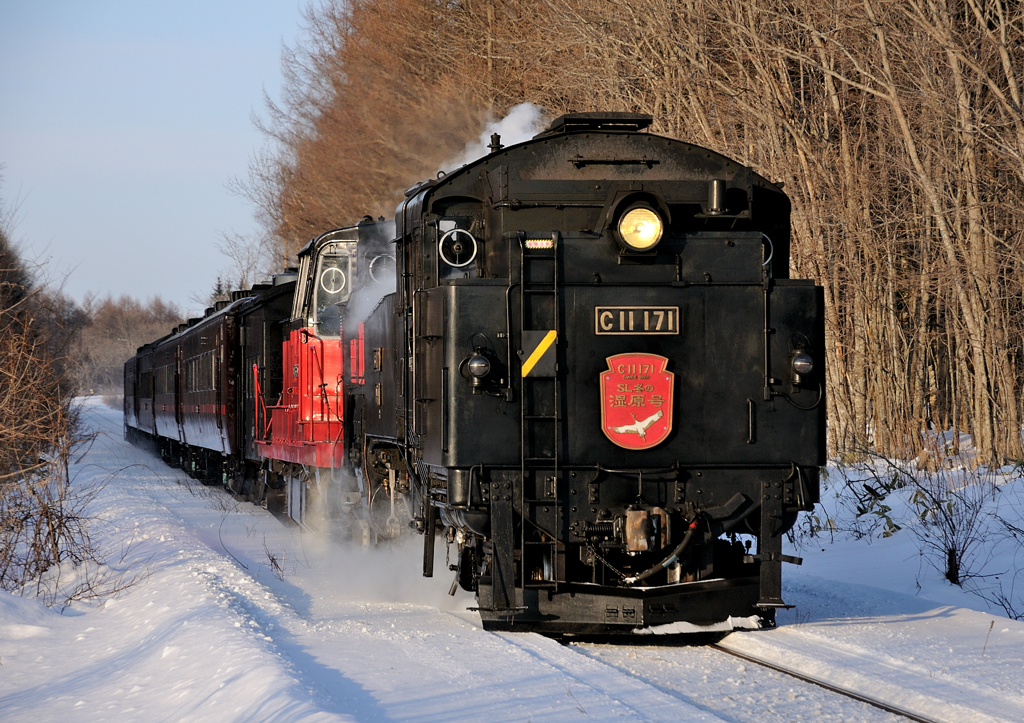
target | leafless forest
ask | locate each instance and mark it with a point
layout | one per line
(895, 125)
(112, 330)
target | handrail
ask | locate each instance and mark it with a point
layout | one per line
(321, 360)
(259, 401)
(306, 333)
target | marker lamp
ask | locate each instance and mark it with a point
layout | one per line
(803, 364)
(478, 366)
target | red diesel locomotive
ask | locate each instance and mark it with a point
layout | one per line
(251, 395)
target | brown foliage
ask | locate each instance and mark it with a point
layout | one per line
(896, 126)
(368, 111)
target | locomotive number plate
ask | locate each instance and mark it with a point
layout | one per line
(636, 320)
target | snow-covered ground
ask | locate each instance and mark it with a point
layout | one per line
(243, 618)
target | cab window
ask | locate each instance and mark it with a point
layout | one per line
(332, 286)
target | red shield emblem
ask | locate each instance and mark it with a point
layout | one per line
(636, 400)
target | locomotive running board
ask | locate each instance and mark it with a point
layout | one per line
(601, 610)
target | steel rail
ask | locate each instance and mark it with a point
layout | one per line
(887, 707)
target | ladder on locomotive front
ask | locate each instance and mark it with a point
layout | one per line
(541, 416)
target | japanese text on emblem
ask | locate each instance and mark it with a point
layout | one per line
(636, 400)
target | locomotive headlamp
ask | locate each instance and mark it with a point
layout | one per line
(640, 228)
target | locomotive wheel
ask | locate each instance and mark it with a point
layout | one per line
(386, 491)
(389, 514)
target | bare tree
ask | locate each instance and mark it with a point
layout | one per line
(250, 258)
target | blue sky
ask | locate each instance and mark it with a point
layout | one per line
(121, 123)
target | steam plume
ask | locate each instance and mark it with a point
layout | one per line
(522, 123)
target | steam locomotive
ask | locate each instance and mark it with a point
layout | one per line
(580, 360)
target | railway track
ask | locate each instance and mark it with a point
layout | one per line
(702, 676)
(874, 702)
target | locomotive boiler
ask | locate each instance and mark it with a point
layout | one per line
(578, 360)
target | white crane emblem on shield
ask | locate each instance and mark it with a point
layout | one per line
(636, 400)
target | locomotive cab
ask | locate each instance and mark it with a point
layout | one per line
(326, 268)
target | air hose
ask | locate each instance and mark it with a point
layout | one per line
(668, 561)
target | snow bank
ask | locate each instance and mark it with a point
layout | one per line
(216, 632)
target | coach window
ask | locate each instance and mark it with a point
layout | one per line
(332, 278)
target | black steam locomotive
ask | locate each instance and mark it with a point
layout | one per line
(593, 375)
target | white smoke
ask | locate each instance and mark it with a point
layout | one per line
(390, 572)
(522, 123)
(364, 300)
(366, 297)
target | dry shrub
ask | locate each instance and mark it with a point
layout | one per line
(963, 517)
(41, 514)
(45, 546)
